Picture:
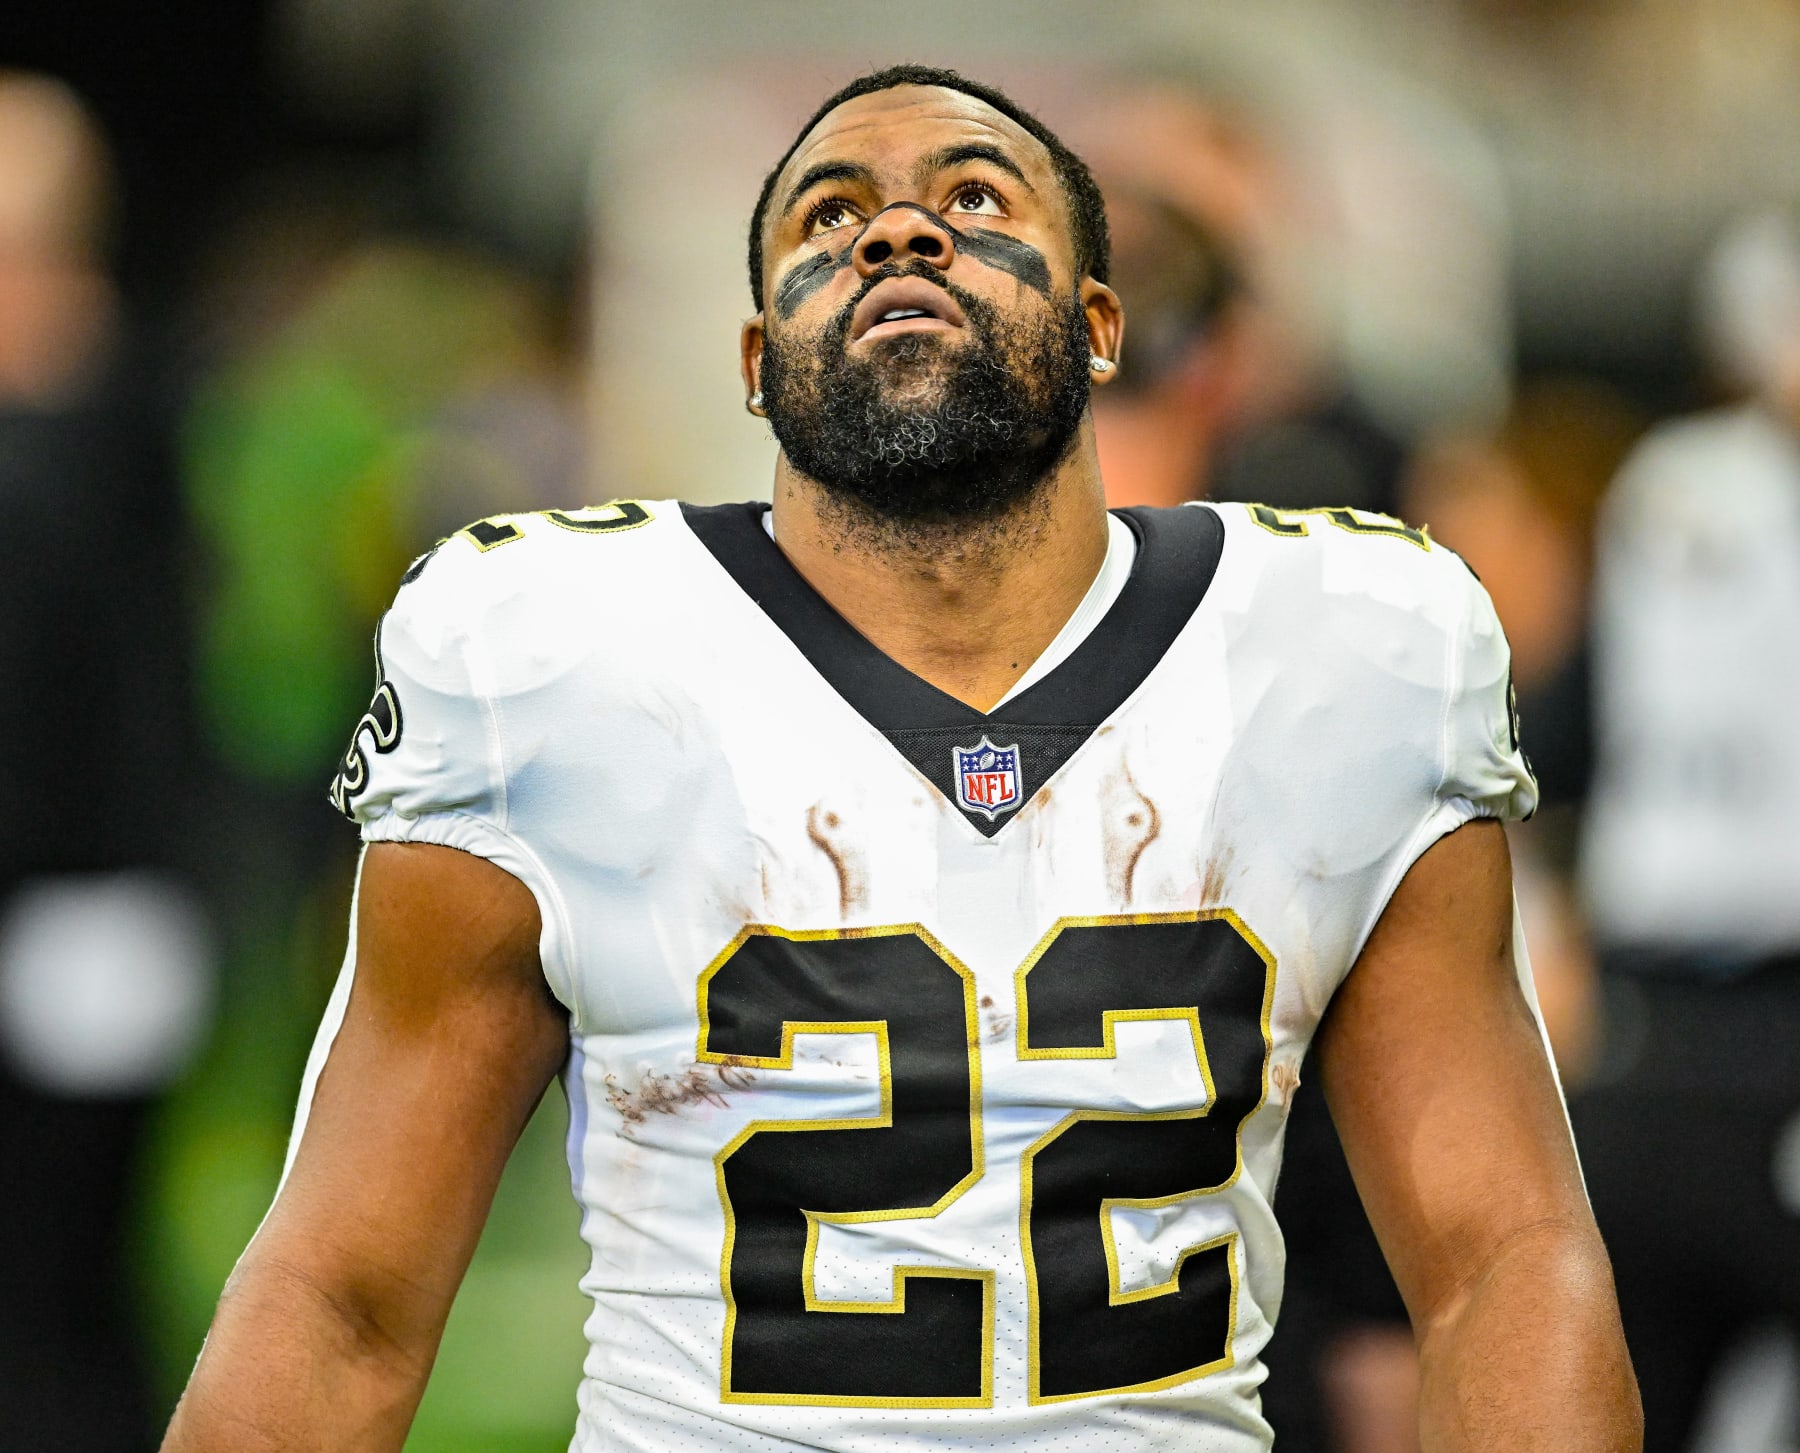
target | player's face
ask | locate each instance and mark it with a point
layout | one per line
(925, 344)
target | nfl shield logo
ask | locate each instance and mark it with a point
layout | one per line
(987, 778)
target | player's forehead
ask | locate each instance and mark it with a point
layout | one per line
(891, 131)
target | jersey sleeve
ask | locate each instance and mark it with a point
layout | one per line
(426, 761)
(1478, 767)
(1486, 773)
(421, 766)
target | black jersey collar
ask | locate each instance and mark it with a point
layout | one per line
(1178, 553)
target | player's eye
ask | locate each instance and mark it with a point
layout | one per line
(827, 215)
(976, 199)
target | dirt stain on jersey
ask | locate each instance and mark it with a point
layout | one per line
(825, 829)
(659, 1094)
(1038, 810)
(995, 1025)
(1284, 1080)
(1213, 879)
(1129, 823)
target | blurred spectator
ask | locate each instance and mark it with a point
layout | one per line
(104, 973)
(1272, 352)
(1690, 1128)
(1160, 427)
(1226, 390)
(1195, 202)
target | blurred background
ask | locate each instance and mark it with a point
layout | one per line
(291, 288)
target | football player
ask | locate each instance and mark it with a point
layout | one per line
(929, 890)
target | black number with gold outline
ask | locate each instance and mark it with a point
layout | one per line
(1088, 1335)
(1292, 523)
(606, 519)
(930, 1345)
(497, 530)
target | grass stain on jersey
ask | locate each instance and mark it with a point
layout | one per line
(659, 1094)
(1213, 883)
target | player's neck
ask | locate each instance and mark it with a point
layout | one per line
(966, 607)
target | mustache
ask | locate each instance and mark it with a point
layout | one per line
(976, 309)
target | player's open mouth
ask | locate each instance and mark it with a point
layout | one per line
(903, 305)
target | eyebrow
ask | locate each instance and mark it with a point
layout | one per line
(944, 158)
(951, 156)
(828, 171)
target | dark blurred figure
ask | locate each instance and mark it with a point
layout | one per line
(103, 971)
(1225, 391)
(1690, 1127)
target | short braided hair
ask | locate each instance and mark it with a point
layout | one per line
(1087, 209)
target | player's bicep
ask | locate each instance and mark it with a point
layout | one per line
(449, 1038)
(1439, 1081)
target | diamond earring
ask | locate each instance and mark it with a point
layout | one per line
(1100, 365)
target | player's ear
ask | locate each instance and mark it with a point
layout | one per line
(1105, 325)
(750, 347)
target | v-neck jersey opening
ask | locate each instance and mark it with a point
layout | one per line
(1101, 596)
(1102, 593)
(1177, 554)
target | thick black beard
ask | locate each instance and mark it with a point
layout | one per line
(925, 431)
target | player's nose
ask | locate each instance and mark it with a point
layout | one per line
(898, 234)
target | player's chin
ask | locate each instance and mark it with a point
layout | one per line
(915, 368)
(918, 349)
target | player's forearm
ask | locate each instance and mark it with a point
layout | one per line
(1530, 1356)
(289, 1366)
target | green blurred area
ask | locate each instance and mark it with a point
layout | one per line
(511, 1358)
(306, 464)
(320, 455)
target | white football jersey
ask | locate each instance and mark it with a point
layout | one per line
(928, 1069)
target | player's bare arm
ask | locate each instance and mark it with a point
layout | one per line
(327, 1330)
(1455, 1131)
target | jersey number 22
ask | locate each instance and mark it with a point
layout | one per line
(932, 1343)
